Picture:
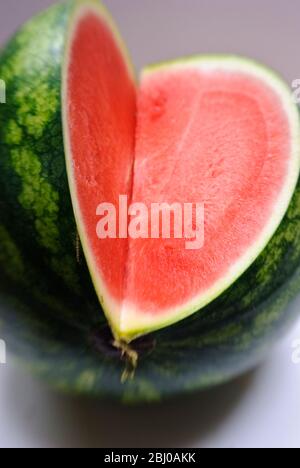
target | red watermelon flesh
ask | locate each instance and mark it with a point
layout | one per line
(101, 120)
(220, 131)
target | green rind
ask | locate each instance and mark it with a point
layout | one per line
(35, 201)
(49, 326)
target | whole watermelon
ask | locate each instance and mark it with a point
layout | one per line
(49, 313)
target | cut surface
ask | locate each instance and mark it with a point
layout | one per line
(99, 100)
(222, 132)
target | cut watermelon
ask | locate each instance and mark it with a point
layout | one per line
(221, 131)
(50, 316)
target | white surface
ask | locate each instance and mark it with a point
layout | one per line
(260, 410)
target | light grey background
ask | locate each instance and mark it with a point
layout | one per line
(261, 409)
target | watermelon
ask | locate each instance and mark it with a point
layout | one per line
(70, 139)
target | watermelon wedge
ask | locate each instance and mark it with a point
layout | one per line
(219, 131)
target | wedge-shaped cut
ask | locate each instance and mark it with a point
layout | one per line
(221, 132)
